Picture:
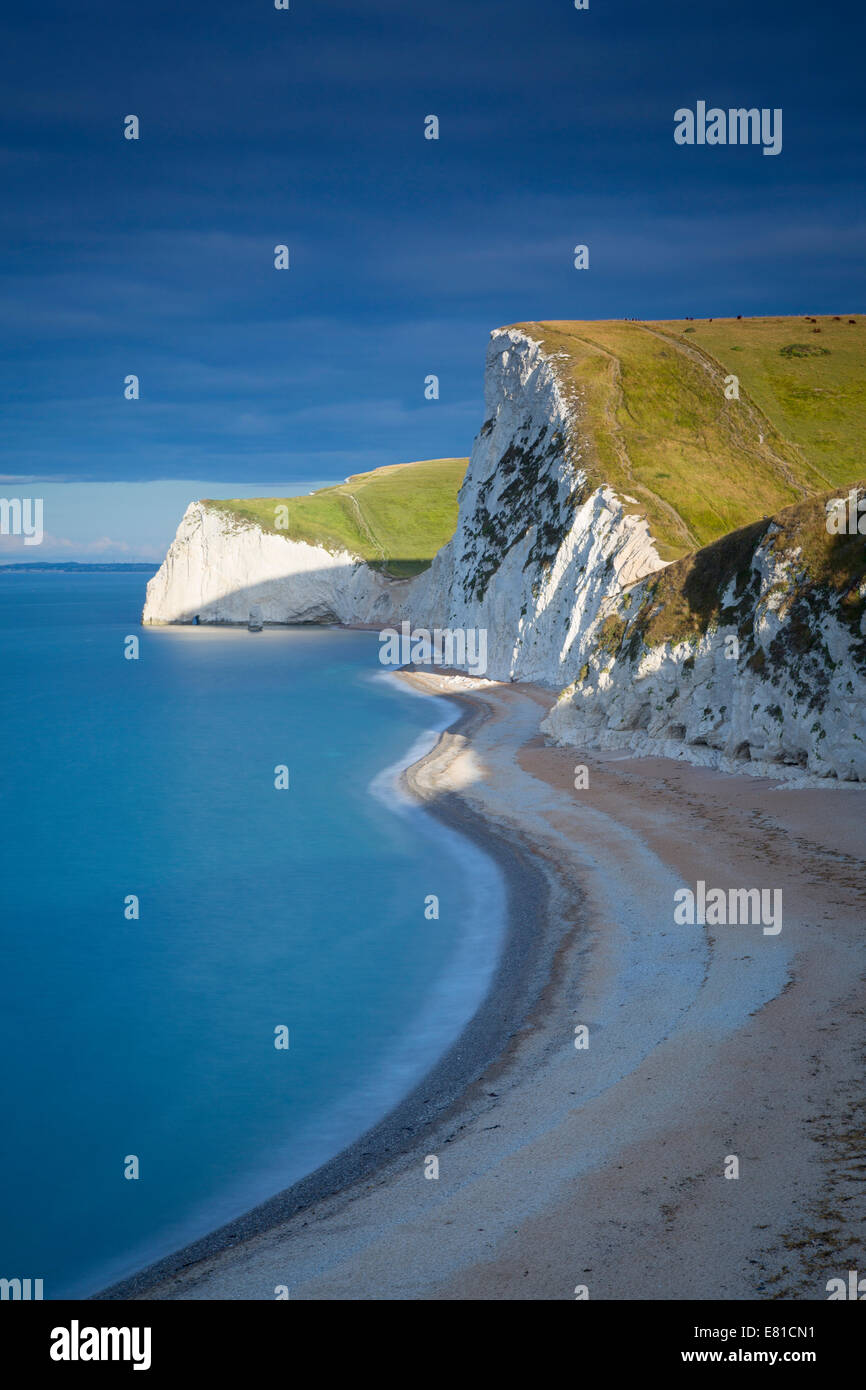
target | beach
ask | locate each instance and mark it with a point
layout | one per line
(598, 1169)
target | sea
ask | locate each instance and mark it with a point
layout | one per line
(171, 912)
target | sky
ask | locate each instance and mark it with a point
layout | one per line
(305, 127)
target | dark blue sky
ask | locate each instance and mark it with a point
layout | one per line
(306, 127)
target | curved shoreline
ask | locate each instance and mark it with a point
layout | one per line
(562, 1165)
(521, 975)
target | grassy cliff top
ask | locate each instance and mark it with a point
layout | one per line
(395, 518)
(654, 422)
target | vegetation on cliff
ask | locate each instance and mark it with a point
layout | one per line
(394, 518)
(720, 585)
(652, 418)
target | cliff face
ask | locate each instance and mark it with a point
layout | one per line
(538, 551)
(748, 654)
(219, 568)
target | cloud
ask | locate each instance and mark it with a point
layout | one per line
(103, 547)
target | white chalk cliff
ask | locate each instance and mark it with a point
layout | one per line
(561, 573)
(218, 568)
(538, 553)
(774, 684)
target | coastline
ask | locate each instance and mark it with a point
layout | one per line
(518, 977)
(562, 1169)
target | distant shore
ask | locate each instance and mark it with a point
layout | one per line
(75, 567)
(584, 1122)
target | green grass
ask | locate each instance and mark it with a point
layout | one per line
(394, 518)
(816, 399)
(655, 423)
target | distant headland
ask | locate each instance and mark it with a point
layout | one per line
(74, 567)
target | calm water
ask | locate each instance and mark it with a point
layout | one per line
(258, 908)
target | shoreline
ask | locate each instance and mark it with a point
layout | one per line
(518, 977)
(561, 1168)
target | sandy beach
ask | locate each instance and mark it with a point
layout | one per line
(603, 1166)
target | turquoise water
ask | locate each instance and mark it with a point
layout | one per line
(305, 908)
